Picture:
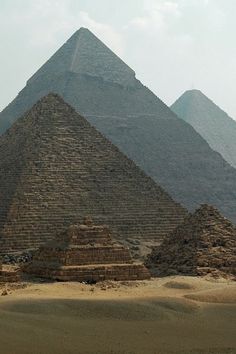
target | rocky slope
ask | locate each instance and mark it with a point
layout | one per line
(205, 243)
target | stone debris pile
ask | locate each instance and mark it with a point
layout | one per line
(85, 253)
(9, 274)
(205, 243)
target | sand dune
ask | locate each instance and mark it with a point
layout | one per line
(161, 316)
(224, 295)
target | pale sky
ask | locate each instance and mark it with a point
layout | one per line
(173, 45)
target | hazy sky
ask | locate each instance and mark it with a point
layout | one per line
(173, 45)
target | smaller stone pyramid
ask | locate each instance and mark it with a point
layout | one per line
(85, 253)
(204, 243)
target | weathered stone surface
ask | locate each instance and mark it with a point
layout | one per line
(103, 88)
(9, 274)
(214, 125)
(85, 253)
(55, 168)
(205, 243)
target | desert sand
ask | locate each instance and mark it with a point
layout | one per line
(184, 315)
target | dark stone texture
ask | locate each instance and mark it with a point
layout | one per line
(204, 244)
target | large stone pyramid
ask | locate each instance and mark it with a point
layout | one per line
(104, 89)
(214, 125)
(55, 168)
(204, 243)
(85, 253)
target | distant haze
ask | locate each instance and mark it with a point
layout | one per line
(173, 45)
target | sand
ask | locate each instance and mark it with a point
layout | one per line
(183, 315)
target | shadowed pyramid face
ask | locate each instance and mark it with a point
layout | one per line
(104, 89)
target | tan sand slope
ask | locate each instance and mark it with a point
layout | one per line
(150, 317)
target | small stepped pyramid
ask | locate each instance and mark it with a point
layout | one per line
(85, 253)
(55, 168)
(204, 243)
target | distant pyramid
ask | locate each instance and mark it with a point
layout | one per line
(55, 168)
(104, 89)
(214, 125)
(85, 252)
(204, 243)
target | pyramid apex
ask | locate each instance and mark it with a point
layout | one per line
(207, 207)
(51, 96)
(85, 54)
(52, 99)
(81, 30)
(207, 211)
(197, 92)
(84, 29)
(193, 96)
(193, 93)
(46, 111)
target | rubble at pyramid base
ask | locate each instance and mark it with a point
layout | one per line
(205, 244)
(9, 274)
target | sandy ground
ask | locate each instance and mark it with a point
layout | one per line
(183, 315)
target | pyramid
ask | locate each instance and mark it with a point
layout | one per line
(211, 122)
(55, 168)
(104, 89)
(85, 253)
(204, 243)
